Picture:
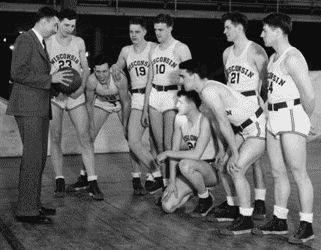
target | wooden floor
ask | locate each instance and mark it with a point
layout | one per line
(122, 221)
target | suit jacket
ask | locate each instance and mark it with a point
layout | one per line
(30, 71)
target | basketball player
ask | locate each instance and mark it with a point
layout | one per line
(246, 147)
(161, 88)
(196, 165)
(135, 58)
(67, 50)
(105, 96)
(245, 65)
(291, 101)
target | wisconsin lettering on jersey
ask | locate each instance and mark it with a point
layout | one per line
(138, 63)
(228, 112)
(239, 69)
(276, 79)
(190, 140)
(63, 59)
(166, 60)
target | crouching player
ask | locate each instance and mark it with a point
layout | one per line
(191, 170)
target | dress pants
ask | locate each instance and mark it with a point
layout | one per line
(34, 135)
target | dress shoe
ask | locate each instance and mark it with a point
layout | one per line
(38, 219)
(47, 211)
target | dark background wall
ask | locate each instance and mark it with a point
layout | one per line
(204, 37)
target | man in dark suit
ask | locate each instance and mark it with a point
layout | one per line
(30, 104)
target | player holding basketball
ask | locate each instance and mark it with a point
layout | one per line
(67, 50)
(105, 96)
(196, 165)
(291, 101)
(161, 88)
(135, 58)
(245, 65)
(244, 148)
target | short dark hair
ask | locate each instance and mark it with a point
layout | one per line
(194, 67)
(45, 12)
(279, 20)
(100, 60)
(191, 96)
(164, 18)
(139, 21)
(69, 14)
(236, 18)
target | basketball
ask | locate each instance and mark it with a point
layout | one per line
(73, 85)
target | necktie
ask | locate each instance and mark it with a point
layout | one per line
(44, 44)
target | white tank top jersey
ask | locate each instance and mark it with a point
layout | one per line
(107, 93)
(138, 65)
(281, 86)
(239, 109)
(63, 56)
(165, 66)
(241, 76)
(190, 135)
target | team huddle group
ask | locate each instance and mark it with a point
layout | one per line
(201, 131)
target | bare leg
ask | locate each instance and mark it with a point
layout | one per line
(56, 155)
(184, 193)
(135, 134)
(294, 151)
(199, 173)
(80, 120)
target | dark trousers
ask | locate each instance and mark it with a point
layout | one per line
(34, 137)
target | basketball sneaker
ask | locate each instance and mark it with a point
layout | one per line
(82, 183)
(304, 233)
(149, 181)
(204, 207)
(259, 212)
(274, 226)
(94, 190)
(60, 188)
(138, 188)
(223, 213)
(241, 225)
(157, 185)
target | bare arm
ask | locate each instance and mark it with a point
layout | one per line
(148, 89)
(117, 68)
(260, 59)
(90, 98)
(297, 68)
(225, 55)
(183, 52)
(125, 100)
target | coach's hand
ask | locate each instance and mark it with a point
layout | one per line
(61, 77)
(171, 188)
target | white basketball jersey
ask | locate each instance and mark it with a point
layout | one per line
(63, 56)
(190, 135)
(241, 76)
(165, 66)
(238, 109)
(281, 86)
(138, 65)
(108, 92)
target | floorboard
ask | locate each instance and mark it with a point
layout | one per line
(123, 221)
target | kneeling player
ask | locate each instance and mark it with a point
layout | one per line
(196, 171)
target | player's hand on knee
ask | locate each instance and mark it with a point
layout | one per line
(171, 188)
(232, 165)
